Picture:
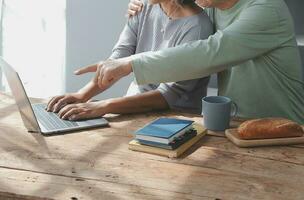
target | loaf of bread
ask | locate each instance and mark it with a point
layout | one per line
(268, 128)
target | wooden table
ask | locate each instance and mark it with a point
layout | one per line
(97, 164)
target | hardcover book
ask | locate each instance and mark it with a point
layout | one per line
(136, 146)
(164, 130)
(174, 144)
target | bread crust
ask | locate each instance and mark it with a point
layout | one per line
(268, 128)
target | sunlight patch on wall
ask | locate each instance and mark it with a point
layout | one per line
(34, 43)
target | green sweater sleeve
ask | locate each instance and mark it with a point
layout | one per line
(257, 30)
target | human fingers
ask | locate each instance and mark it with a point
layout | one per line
(52, 102)
(137, 3)
(100, 78)
(87, 114)
(114, 70)
(97, 74)
(60, 104)
(131, 13)
(108, 79)
(80, 115)
(134, 7)
(71, 112)
(65, 109)
(87, 69)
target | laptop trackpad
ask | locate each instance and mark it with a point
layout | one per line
(92, 122)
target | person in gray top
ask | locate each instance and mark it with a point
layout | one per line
(161, 24)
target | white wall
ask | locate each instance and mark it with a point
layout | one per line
(93, 28)
(33, 35)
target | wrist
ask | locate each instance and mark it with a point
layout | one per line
(108, 106)
(89, 91)
(83, 96)
(128, 65)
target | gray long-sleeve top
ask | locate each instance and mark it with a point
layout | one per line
(153, 30)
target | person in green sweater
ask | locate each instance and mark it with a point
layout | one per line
(254, 52)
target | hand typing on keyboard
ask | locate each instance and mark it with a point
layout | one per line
(58, 102)
(84, 110)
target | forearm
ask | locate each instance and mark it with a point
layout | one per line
(148, 101)
(89, 91)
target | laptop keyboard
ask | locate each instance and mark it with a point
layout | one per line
(50, 120)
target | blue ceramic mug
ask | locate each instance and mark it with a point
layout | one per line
(217, 111)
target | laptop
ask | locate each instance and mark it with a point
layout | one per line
(35, 117)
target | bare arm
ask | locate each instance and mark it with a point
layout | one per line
(90, 90)
(125, 46)
(148, 101)
(83, 95)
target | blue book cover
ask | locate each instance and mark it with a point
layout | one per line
(174, 144)
(164, 127)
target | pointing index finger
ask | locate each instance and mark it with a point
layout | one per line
(87, 69)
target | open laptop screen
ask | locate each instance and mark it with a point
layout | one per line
(19, 93)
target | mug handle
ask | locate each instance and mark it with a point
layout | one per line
(235, 109)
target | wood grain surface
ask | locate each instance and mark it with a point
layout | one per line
(96, 164)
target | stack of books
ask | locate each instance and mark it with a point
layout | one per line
(167, 136)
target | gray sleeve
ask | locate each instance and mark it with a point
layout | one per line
(183, 92)
(126, 45)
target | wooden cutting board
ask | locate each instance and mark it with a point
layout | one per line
(232, 135)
